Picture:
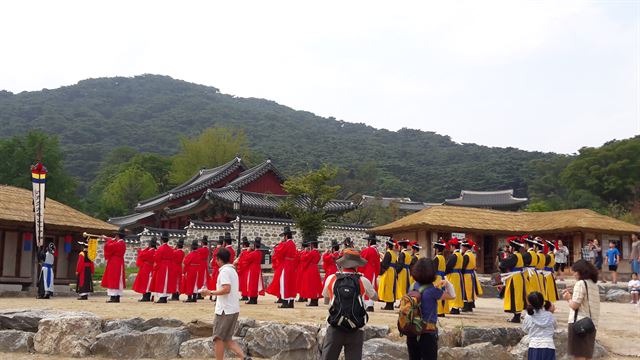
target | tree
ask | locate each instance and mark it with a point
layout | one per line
(126, 190)
(309, 195)
(214, 147)
(20, 152)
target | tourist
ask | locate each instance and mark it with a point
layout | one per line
(454, 275)
(596, 256)
(402, 267)
(425, 346)
(311, 285)
(255, 282)
(635, 254)
(190, 273)
(613, 259)
(143, 282)
(584, 302)
(284, 279)
(84, 272)
(388, 279)
(634, 288)
(176, 268)
(113, 278)
(514, 280)
(540, 324)
(472, 287)
(336, 337)
(562, 256)
(164, 282)
(45, 281)
(227, 306)
(372, 268)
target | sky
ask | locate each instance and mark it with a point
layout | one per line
(535, 75)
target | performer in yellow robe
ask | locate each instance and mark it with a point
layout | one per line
(454, 276)
(415, 256)
(403, 268)
(440, 265)
(551, 288)
(472, 287)
(542, 259)
(530, 258)
(387, 280)
(512, 269)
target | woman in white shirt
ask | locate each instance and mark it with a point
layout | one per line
(584, 301)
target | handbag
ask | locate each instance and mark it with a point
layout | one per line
(585, 325)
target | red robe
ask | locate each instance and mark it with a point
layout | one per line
(329, 264)
(299, 272)
(164, 280)
(204, 269)
(114, 271)
(213, 279)
(311, 286)
(192, 264)
(242, 271)
(372, 268)
(276, 265)
(80, 266)
(232, 252)
(285, 253)
(143, 282)
(255, 283)
(178, 256)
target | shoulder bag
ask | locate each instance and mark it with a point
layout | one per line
(585, 325)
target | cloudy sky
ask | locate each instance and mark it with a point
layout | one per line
(537, 75)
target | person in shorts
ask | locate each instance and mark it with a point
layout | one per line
(562, 255)
(613, 259)
(227, 306)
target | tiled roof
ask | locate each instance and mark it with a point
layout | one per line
(200, 204)
(285, 222)
(269, 201)
(202, 180)
(401, 203)
(255, 173)
(129, 219)
(486, 199)
(203, 225)
(173, 233)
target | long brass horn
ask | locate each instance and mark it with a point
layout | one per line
(85, 234)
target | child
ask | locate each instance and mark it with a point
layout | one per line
(540, 324)
(634, 288)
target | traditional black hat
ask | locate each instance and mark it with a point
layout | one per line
(416, 246)
(371, 238)
(52, 247)
(228, 238)
(165, 236)
(531, 240)
(287, 231)
(194, 244)
(347, 242)
(515, 241)
(122, 233)
(439, 244)
(245, 241)
(390, 242)
(550, 244)
(221, 239)
(257, 242)
(153, 242)
(180, 243)
(205, 240)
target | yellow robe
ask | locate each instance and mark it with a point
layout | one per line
(514, 292)
(443, 307)
(550, 280)
(530, 274)
(387, 281)
(404, 282)
(540, 271)
(472, 288)
(455, 278)
(412, 281)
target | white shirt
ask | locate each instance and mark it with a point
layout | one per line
(634, 285)
(228, 304)
(580, 296)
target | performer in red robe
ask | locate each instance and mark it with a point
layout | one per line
(241, 267)
(191, 271)
(176, 268)
(144, 262)
(204, 269)
(311, 286)
(372, 268)
(255, 283)
(329, 260)
(284, 280)
(228, 243)
(213, 279)
(113, 278)
(164, 282)
(84, 272)
(300, 274)
(276, 265)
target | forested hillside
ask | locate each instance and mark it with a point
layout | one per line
(150, 112)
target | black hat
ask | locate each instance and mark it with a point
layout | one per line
(532, 241)
(194, 244)
(122, 233)
(347, 242)
(416, 246)
(371, 238)
(287, 231)
(165, 236)
(245, 241)
(228, 238)
(205, 240)
(257, 242)
(52, 247)
(180, 243)
(390, 242)
(153, 242)
(439, 244)
(550, 244)
(221, 239)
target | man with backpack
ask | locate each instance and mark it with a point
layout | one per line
(345, 292)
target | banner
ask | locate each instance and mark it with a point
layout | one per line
(38, 180)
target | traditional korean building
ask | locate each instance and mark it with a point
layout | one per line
(490, 228)
(217, 196)
(63, 227)
(497, 200)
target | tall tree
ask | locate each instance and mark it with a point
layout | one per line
(309, 194)
(18, 153)
(126, 190)
(214, 147)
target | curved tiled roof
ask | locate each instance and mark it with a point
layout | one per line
(268, 201)
(486, 199)
(151, 231)
(203, 225)
(129, 219)
(255, 173)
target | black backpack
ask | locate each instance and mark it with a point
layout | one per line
(347, 310)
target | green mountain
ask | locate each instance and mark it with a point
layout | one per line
(150, 112)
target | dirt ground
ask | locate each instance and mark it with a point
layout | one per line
(618, 331)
